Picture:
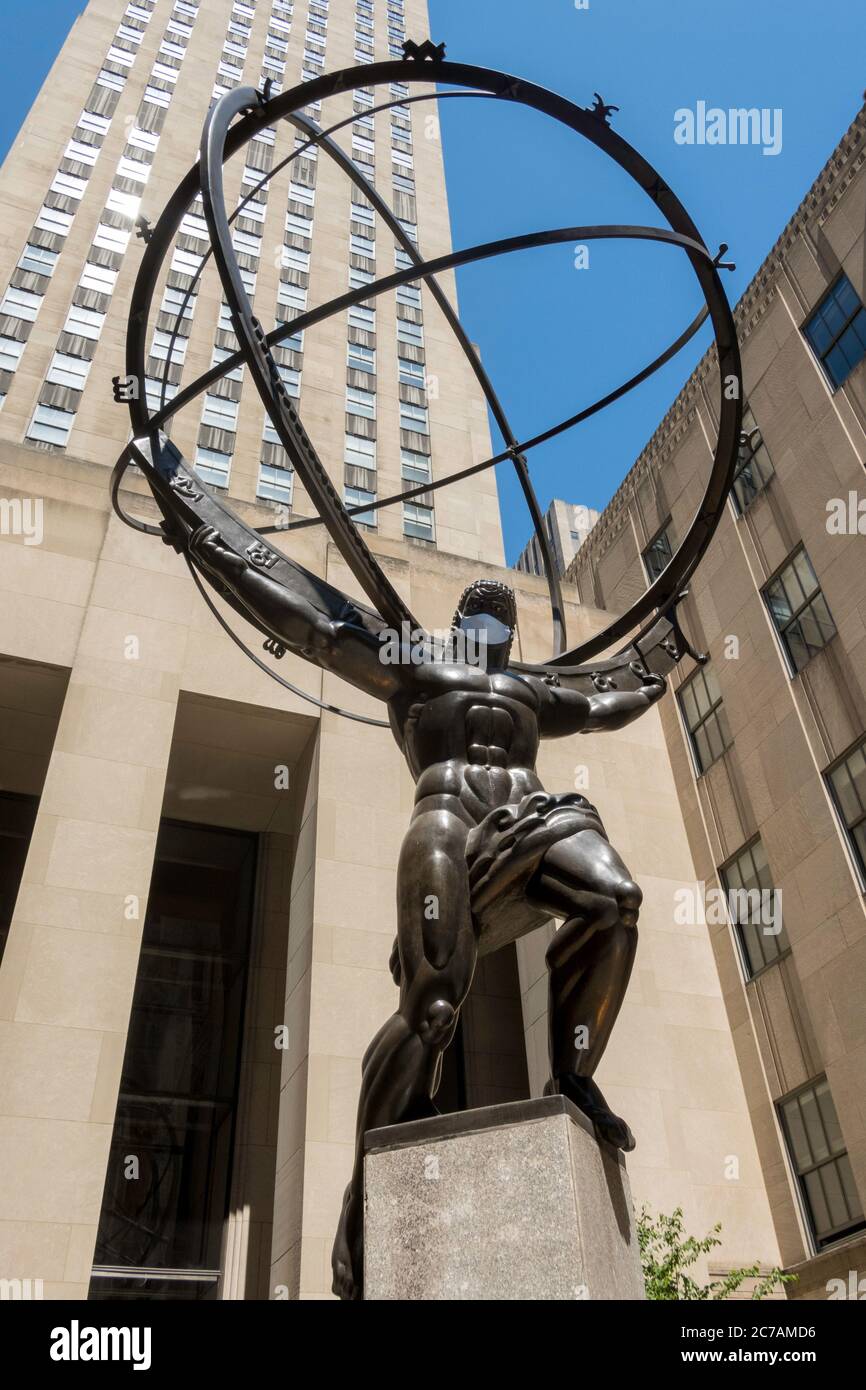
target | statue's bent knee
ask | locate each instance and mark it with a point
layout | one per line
(438, 1023)
(628, 899)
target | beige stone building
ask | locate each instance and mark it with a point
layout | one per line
(197, 867)
(567, 525)
(767, 740)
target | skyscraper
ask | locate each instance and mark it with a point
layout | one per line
(198, 866)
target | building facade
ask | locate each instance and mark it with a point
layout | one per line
(197, 866)
(767, 740)
(567, 525)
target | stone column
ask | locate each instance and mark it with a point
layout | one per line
(71, 960)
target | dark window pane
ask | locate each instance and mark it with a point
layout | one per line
(17, 817)
(168, 1175)
(836, 331)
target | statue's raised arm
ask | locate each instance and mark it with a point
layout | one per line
(339, 644)
(294, 609)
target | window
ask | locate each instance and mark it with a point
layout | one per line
(418, 521)
(176, 302)
(359, 402)
(848, 784)
(21, 304)
(86, 323)
(362, 317)
(220, 355)
(213, 466)
(817, 1151)
(291, 379)
(38, 259)
(153, 393)
(411, 373)
(194, 226)
(658, 554)
(799, 611)
(127, 204)
(362, 214)
(298, 260)
(98, 277)
(133, 169)
(50, 425)
(83, 154)
(247, 242)
(68, 371)
(360, 451)
(301, 193)
(53, 220)
(411, 333)
(701, 703)
(360, 358)
(159, 346)
(359, 497)
(179, 1089)
(414, 467)
(414, 417)
(410, 295)
(294, 341)
(10, 354)
(89, 120)
(275, 484)
(219, 412)
(360, 246)
(301, 226)
(836, 331)
(185, 262)
(754, 469)
(143, 139)
(294, 296)
(760, 933)
(110, 238)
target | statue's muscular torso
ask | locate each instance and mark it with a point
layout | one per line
(470, 737)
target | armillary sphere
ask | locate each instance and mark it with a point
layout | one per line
(186, 502)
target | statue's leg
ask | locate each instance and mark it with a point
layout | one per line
(437, 956)
(583, 880)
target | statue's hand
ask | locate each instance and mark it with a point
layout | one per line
(653, 684)
(207, 546)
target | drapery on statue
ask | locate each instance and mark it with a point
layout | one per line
(488, 856)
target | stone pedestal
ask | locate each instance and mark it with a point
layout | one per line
(512, 1202)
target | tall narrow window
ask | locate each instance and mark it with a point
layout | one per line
(754, 469)
(836, 331)
(707, 724)
(820, 1161)
(755, 909)
(657, 555)
(799, 610)
(848, 785)
(161, 1224)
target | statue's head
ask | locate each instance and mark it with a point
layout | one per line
(487, 612)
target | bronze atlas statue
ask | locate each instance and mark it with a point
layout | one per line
(489, 854)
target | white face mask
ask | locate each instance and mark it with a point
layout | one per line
(496, 634)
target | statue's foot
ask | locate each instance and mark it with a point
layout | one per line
(347, 1256)
(585, 1094)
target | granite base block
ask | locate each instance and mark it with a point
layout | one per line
(516, 1201)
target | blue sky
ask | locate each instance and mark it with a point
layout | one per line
(553, 337)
